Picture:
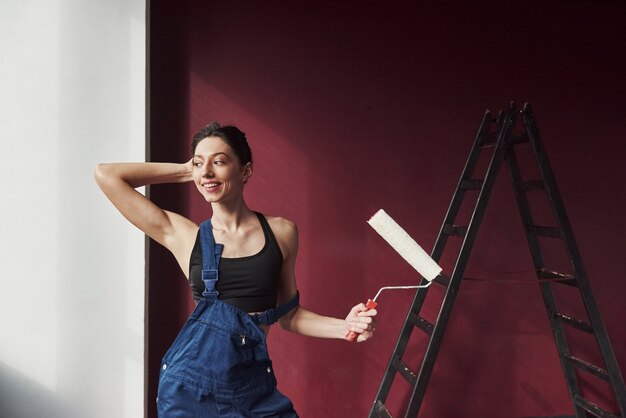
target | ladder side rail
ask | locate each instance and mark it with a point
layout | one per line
(434, 343)
(420, 295)
(459, 193)
(546, 288)
(398, 351)
(604, 344)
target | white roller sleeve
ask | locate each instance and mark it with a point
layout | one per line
(404, 245)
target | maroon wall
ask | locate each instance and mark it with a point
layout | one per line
(354, 106)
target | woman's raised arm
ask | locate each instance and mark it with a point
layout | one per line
(118, 182)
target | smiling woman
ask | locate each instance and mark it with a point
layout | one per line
(241, 269)
(220, 154)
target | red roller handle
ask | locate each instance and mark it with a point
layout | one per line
(352, 336)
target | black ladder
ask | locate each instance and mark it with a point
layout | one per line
(499, 134)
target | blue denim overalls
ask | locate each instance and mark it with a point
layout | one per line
(218, 365)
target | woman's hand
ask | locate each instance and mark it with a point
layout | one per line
(361, 321)
(189, 167)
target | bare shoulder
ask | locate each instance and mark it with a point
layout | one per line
(280, 224)
(286, 233)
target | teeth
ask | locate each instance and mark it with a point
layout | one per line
(211, 184)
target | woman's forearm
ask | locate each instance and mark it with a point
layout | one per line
(305, 322)
(141, 174)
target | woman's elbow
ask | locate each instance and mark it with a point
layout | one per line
(103, 174)
(287, 322)
(99, 173)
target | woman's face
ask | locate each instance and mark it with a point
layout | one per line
(217, 173)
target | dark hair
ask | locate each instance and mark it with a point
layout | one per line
(231, 135)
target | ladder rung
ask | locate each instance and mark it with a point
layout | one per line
(471, 184)
(592, 408)
(381, 410)
(456, 230)
(405, 371)
(527, 186)
(492, 137)
(576, 323)
(421, 323)
(568, 279)
(588, 367)
(489, 140)
(544, 231)
(519, 137)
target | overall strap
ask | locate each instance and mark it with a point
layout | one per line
(211, 253)
(272, 315)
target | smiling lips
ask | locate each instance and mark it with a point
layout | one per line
(211, 185)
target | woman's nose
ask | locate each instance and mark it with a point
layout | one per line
(206, 171)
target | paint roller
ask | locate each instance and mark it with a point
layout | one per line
(407, 248)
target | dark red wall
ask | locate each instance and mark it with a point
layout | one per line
(354, 106)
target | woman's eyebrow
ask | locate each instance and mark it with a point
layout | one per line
(211, 155)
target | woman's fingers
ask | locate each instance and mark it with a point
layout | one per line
(367, 313)
(361, 321)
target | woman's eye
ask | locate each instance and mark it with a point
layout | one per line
(197, 163)
(218, 162)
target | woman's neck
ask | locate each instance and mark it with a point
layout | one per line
(229, 216)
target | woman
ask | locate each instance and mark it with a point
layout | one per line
(241, 268)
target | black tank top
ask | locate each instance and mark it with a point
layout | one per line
(249, 283)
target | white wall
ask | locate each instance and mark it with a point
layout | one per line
(72, 93)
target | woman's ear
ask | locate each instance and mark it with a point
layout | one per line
(247, 172)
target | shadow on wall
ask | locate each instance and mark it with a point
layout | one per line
(39, 400)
